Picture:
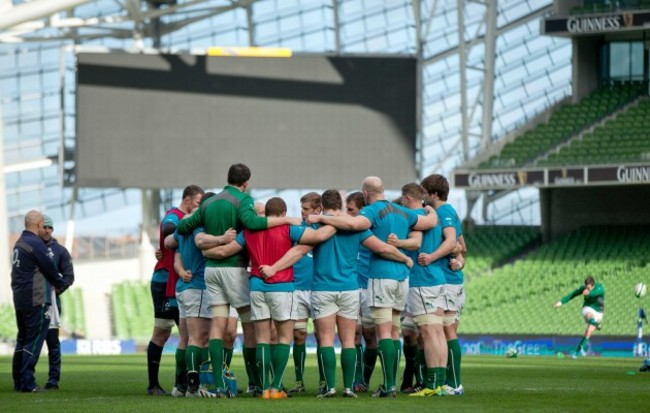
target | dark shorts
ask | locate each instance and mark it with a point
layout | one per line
(161, 307)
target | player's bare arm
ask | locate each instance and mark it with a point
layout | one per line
(223, 251)
(316, 236)
(206, 241)
(183, 274)
(288, 259)
(412, 243)
(427, 221)
(170, 242)
(345, 222)
(448, 244)
(387, 251)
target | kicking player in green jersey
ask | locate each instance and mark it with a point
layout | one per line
(388, 280)
(593, 309)
(437, 188)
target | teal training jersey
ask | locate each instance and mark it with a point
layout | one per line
(258, 284)
(193, 261)
(387, 218)
(161, 275)
(430, 275)
(303, 270)
(595, 299)
(447, 217)
(335, 261)
(363, 267)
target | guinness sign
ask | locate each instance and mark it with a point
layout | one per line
(595, 23)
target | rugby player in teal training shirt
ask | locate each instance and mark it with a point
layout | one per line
(366, 357)
(335, 295)
(303, 272)
(387, 282)
(426, 299)
(437, 188)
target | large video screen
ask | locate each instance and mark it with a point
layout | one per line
(309, 121)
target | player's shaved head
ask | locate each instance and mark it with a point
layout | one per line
(33, 220)
(260, 208)
(373, 185)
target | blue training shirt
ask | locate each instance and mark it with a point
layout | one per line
(448, 217)
(387, 218)
(303, 270)
(335, 261)
(193, 260)
(363, 267)
(430, 275)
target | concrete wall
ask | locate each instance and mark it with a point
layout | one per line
(564, 210)
(585, 63)
(96, 278)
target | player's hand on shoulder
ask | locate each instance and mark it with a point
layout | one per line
(158, 254)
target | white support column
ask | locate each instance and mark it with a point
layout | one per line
(34, 10)
(337, 26)
(462, 60)
(419, 89)
(488, 79)
(5, 263)
(251, 25)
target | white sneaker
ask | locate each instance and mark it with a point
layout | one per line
(458, 391)
(177, 393)
(201, 392)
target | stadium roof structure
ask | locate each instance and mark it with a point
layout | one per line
(485, 70)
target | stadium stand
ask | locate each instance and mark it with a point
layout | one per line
(566, 122)
(518, 298)
(622, 139)
(490, 246)
(131, 310)
(8, 327)
(73, 317)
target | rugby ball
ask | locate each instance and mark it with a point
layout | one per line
(640, 290)
(512, 353)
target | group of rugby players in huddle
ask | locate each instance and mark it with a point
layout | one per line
(368, 268)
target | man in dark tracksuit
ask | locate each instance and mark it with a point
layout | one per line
(63, 262)
(32, 272)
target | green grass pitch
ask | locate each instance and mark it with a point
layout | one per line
(493, 384)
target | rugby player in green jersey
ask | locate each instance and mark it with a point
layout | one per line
(593, 309)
